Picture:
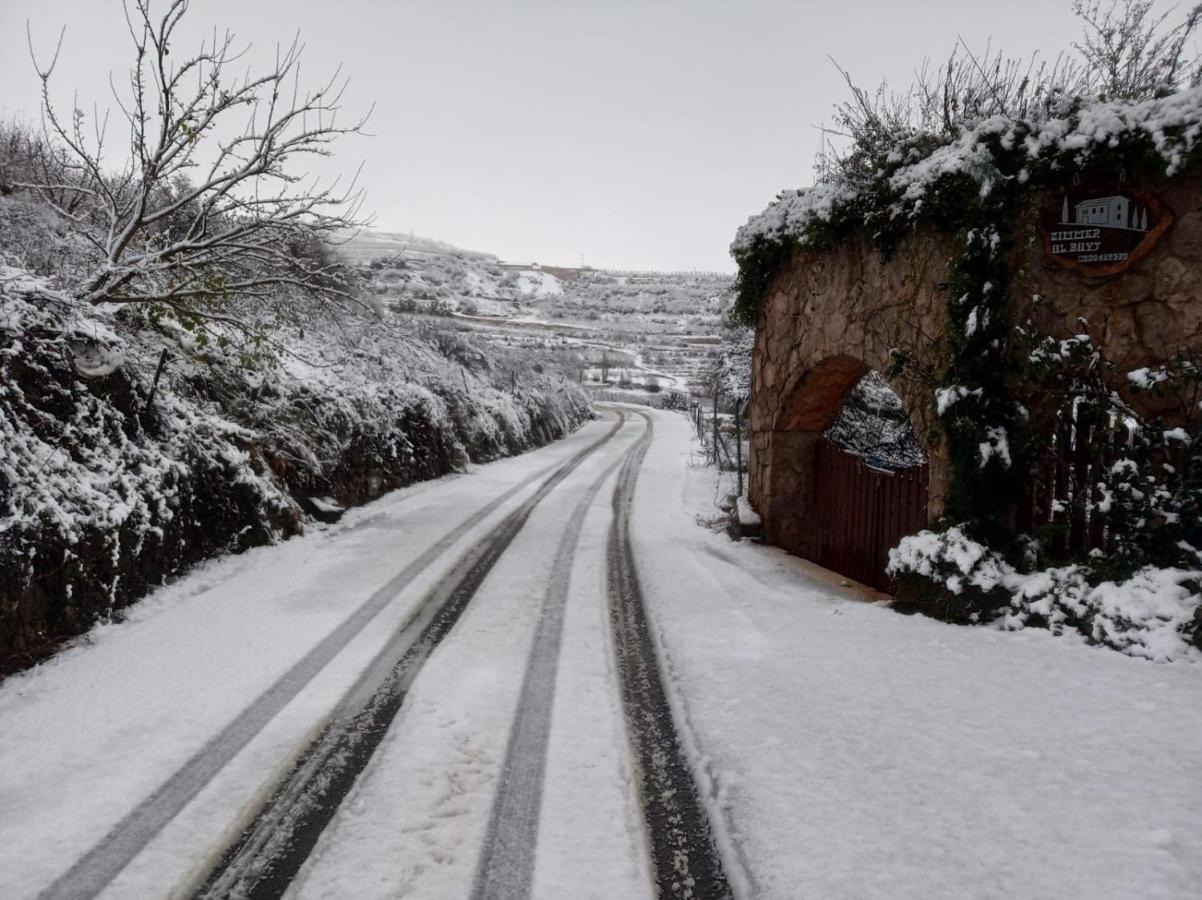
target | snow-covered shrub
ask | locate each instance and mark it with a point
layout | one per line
(1155, 613)
(101, 497)
(32, 236)
(104, 494)
(1128, 51)
(873, 423)
(1149, 492)
(675, 400)
(968, 578)
(730, 370)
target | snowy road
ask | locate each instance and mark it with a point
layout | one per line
(294, 682)
(475, 688)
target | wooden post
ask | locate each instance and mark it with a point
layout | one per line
(717, 461)
(739, 442)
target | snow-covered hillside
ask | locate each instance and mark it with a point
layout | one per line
(650, 330)
(114, 478)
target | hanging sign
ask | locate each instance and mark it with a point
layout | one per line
(1102, 232)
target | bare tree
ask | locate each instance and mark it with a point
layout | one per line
(209, 205)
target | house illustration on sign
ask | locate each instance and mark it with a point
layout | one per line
(1109, 212)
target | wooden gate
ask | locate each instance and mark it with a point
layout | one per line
(861, 511)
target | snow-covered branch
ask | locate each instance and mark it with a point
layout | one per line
(201, 207)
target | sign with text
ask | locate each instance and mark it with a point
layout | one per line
(1103, 232)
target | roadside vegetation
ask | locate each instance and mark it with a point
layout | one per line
(188, 367)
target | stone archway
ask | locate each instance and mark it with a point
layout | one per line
(786, 478)
(837, 502)
(826, 319)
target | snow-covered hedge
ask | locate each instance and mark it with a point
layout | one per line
(105, 493)
(997, 154)
(1156, 613)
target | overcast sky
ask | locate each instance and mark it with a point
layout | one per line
(632, 133)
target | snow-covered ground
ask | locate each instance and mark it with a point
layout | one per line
(855, 752)
(88, 736)
(415, 824)
(844, 750)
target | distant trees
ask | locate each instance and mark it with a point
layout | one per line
(209, 204)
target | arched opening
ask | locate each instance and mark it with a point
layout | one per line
(847, 475)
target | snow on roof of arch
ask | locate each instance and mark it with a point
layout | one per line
(1173, 123)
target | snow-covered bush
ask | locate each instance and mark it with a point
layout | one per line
(731, 368)
(970, 579)
(105, 493)
(1128, 51)
(675, 400)
(1148, 493)
(1156, 613)
(101, 497)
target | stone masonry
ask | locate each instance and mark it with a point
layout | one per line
(828, 317)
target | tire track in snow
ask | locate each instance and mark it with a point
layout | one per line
(269, 853)
(506, 867)
(685, 861)
(101, 864)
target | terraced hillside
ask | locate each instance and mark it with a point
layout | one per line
(649, 331)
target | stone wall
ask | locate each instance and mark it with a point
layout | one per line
(1141, 316)
(827, 317)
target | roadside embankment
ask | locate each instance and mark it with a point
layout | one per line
(110, 485)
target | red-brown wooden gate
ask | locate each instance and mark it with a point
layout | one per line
(861, 511)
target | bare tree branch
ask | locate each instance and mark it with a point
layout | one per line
(197, 211)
